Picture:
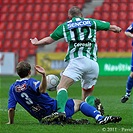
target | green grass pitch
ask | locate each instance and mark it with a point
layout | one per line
(108, 89)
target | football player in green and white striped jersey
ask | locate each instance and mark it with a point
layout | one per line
(80, 34)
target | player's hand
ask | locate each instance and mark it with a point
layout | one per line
(118, 29)
(115, 28)
(8, 123)
(34, 40)
(40, 69)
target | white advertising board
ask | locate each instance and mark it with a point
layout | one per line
(7, 63)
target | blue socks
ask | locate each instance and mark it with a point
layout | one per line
(129, 86)
(90, 111)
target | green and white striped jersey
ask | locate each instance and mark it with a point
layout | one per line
(80, 34)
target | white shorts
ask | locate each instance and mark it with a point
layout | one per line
(84, 69)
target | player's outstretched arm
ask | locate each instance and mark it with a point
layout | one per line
(43, 84)
(11, 114)
(115, 28)
(44, 41)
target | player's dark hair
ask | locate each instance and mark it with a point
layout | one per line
(74, 11)
(23, 68)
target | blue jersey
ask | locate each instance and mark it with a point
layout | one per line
(130, 29)
(26, 93)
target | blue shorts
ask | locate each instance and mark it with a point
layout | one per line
(69, 109)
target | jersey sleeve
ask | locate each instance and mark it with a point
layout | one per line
(130, 28)
(101, 25)
(57, 33)
(11, 100)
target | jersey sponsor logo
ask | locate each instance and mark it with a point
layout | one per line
(36, 108)
(87, 44)
(20, 88)
(36, 83)
(77, 24)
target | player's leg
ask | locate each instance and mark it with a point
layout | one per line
(72, 106)
(88, 81)
(62, 95)
(70, 75)
(87, 109)
(91, 100)
(129, 84)
(89, 78)
(87, 92)
(91, 111)
(95, 102)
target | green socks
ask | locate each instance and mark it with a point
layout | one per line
(90, 100)
(62, 97)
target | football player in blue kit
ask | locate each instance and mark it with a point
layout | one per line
(32, 96)
(129, 85)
